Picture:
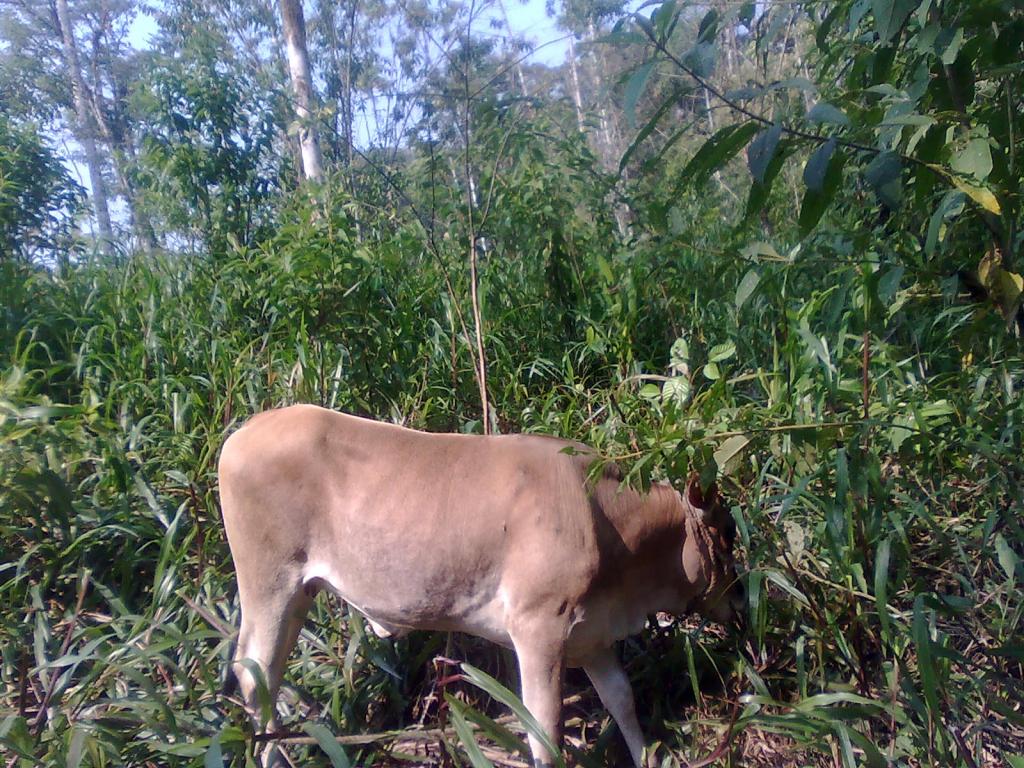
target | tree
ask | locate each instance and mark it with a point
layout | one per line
(298, 66)
(35, 82)
(86, 132)
(212, 126)
(38, 198)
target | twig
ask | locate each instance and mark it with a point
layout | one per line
(222, 629)
(723, 745)
(474, 278)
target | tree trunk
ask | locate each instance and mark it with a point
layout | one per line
(85, 133)
(298, 66)
(115, 133)
(349, 119)
(577, 97)
(606, 143)
(516, 65)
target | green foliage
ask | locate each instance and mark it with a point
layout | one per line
(830, 324)
(38, 199)
(209, 161)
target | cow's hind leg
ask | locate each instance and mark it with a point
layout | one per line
(271, 619)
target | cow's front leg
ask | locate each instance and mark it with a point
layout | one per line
(612, 685)
(540, 648)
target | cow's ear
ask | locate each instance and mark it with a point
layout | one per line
(701, 499)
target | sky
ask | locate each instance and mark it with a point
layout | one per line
(526, 18)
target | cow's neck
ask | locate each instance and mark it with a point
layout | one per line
(644, 555)
(642, 519)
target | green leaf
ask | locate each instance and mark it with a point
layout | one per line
(679, 355)
(817, 166)
(701, 59)
(76, 746)
(762, 151)
(214, 755)
(947, 44)
(882, 584)
(495, 732)
(823, 112)
(651, 124)
(262, 692)
(926, 669)
(817, 201)
(691, 668)
(465, 734)
(889, 283)
(890, 16)
(1008, 559)
(487, 683)
(762, 251)
(729, 451)
(884, 174)
(716, 151)
(45, 412)
(328, 744)
(1015, 761)
(951, 206)
(711, 371)
(746, 13)
(746, 287)
(746, 93)
(634, 89)
(664, 19)
(821, 36)
(783, 582)
(981, 195)
(831, 699)
(975, 159)
(799, 83)
(708, 27)
(677, 389)
(649, 392)
(815, 345)
(721, 352)
(759, 192)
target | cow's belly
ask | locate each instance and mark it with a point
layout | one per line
(396, 605)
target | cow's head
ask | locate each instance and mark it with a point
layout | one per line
(708, 560)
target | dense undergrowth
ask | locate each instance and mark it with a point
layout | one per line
(855, 382)
(880, 552)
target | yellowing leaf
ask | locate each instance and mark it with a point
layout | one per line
(1004, 288)
(980, 195)
(728, 451)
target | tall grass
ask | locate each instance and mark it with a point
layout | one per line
(882, 546)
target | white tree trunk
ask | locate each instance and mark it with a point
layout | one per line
(298, 66)
(606, 144)
(516, 64)
(577, 97)
(85, 133)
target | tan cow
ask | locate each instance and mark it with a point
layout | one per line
(501, 537)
